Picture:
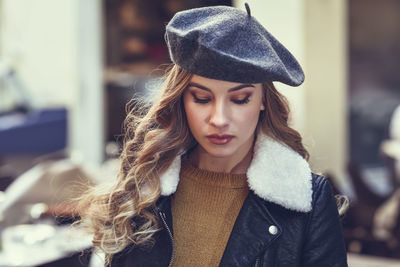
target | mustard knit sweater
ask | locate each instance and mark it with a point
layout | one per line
(204, 209)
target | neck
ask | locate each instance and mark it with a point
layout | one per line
(236, 164)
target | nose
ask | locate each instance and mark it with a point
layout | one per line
(219, 117)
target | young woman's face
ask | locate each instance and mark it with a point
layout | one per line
(222, 116)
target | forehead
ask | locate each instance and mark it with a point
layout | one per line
(212, 83)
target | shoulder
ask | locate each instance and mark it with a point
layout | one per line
(323, 199)
(318, 181)
(299, 194)
(324, 243)
(320, 187)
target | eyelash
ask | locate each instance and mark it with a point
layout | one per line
(242, 101)
(239, 102)
(200, 101)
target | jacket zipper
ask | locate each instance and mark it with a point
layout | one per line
(162, 215)
(257, 262)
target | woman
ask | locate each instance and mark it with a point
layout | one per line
(211, 174)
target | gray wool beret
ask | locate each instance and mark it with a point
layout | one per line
(226, 43)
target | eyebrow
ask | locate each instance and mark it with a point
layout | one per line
(230, 90)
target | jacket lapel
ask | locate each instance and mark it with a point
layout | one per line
(251, 233)
(164, 209)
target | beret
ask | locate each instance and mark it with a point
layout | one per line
(226, 43)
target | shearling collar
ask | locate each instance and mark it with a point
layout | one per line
(277, 174)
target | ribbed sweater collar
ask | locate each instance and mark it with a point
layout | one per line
(219, 179)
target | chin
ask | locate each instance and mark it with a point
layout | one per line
(220, 152)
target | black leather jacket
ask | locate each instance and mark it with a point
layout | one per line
(264, 234)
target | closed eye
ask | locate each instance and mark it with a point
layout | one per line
(242, 101)
(200, 99)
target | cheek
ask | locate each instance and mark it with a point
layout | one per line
(249, 120)
(247, 116)
(250, 114)
(193, 115)
(190, 109)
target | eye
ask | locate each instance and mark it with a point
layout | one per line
(200, 100)
(241, 101)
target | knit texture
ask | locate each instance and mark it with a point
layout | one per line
(204, 209)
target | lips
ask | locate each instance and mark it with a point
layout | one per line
(220, 139)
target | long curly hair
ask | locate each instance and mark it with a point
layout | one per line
(123, 214)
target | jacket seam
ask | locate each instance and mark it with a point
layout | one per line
(318, 185)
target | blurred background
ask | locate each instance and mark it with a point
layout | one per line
(69, 67)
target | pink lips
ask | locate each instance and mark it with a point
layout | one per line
(220, 139)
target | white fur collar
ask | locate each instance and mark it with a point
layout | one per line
(277, 174)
